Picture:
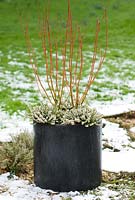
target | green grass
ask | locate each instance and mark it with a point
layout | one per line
(121, 20)
(12, 46)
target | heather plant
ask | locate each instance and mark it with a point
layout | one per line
(83, 114)
(17, 156)
(64, 64)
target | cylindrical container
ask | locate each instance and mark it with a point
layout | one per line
(67, 157)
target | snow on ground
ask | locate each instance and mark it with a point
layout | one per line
(17, 189)
(19, 64)
(113, 108)
(115, 137)
(132, 129)
(17, 80)
(12, 125)
(119, 161)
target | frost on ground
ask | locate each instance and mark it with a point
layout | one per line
(17, 189)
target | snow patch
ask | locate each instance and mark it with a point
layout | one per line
(13, 125)
(119, 161)
(132, 129)
(114, 108)
(19, 64)
(17, 189)
(115, 136)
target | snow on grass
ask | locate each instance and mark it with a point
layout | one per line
(13, 125)
(115, 81)
(16, 80)
(112, 89)
(1, 54)
(19, 64)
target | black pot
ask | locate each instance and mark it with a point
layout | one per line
(67, 157)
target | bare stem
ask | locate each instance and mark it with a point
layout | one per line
(34, 65)
(51, 63)
(70, 75)
(93, 75)
(79, 76)
(44, 36)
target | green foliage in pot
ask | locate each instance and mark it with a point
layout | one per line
(83, 114)
(64, 96)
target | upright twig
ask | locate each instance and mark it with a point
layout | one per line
(34, 65)
(44, 38)
(93, 75)
(79, 76)
(65, 80)
(70, 52)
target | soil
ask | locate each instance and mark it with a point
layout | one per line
(125, 120)
(112, 177)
